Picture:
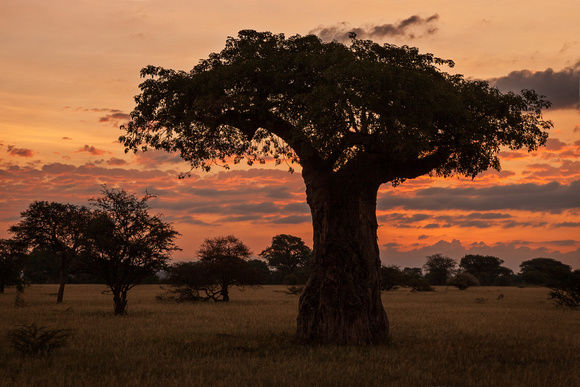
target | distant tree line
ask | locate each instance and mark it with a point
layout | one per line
(475, 270)
(117, 242)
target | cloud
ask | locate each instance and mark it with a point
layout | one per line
(67, 138)
(412, 27)
(552, 197)
(92, 150)
(116, 162)
(560, 87)
(115, 116)
(21, 152)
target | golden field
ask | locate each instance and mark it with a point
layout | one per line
(443, 338)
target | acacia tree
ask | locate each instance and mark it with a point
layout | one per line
(124, 244)
(485, 268)
(354, 117)
(439, 268)
(56, 228)
(225, 260)
(287, 254)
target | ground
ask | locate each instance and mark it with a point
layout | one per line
(448, 337)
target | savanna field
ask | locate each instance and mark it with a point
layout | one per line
(443, 338)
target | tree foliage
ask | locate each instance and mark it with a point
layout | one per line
(225, 261)
(541, 271)
(55, 227)
(287, 254)
(384, 107)
(12, 259)
(565, 290)
(487, 269)
(124, 244)
(439, 268)
(462, 280)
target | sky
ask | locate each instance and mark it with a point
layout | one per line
(69, 71)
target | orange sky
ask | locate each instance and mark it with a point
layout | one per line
(69, 71)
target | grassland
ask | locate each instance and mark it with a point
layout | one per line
(443, 338)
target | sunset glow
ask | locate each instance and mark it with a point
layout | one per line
(69, 71)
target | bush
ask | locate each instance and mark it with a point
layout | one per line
(463, 280)
(30, 340)
(566, 291)
(420, 285)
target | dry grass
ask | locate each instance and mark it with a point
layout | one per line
(443, 338)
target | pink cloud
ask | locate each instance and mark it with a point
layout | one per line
(22, 152)
(92, 150)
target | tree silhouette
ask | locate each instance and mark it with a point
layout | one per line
(55, 227)
(287, 254)
(124, 244)
(354, 117)
(226, 261)
(485, 268)
(439, 268)
(12, 256)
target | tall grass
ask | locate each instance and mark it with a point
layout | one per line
(438, 338)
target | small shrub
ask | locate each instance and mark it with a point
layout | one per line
(463, 280)
(480, 300)
(566, 291)
(296, 290)
(420, 285)
(30, 340)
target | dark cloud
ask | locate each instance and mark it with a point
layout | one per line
(567, 224)
(554, 144)
(21, 152)
(116, 162)
(551, 197)
(411, 28)
(115, 116)
(560, 87)
(66, 138)
(292, 219)
(92, 150)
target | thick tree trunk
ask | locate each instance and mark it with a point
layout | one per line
(341, 302)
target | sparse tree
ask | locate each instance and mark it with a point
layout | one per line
(12, 255)
(439, 268)
(124, 244)
(287, 254)
(57, 228)
(354, 117)
(486, 268)
(225, 259)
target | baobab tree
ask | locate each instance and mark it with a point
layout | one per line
(354, 117)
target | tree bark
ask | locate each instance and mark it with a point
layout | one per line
(341, 302)
(119, 301)
(62, 281)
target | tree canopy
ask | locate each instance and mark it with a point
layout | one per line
(287, 254)
(380, 109)
(486, 268)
